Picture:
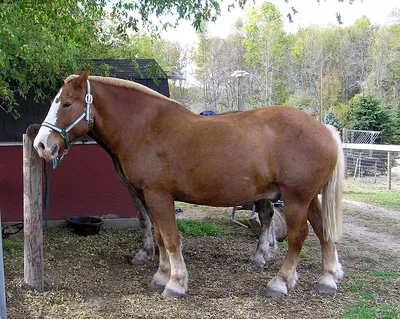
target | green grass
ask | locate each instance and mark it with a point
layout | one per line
(386, 274)
(9, 245)
(194, 228)
(367, 307)
(184, 205)
(386, 198)
(366, 310)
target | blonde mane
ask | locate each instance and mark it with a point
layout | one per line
(120, 83)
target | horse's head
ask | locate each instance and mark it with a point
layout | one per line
(69, 117)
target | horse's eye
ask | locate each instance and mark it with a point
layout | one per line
(66, 104)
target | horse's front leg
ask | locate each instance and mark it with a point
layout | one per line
(162, 211)
(266, 240)
(145, 254)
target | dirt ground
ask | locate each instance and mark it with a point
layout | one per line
(89, 277)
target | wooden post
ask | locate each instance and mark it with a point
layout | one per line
(389, 171)
(33, 210)
(3, 312)
(344, 141)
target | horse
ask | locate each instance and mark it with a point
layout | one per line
(276, 151)
(266, 243)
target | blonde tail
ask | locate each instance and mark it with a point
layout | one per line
(332, 195)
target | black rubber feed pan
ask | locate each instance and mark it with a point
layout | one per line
(85, 225)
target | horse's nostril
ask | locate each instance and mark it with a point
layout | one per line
(41, 145)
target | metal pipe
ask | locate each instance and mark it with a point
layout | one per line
(233, 219)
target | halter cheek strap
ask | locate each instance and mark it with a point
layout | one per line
(64, 131)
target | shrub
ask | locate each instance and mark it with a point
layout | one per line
(366, 112)
(330, 119)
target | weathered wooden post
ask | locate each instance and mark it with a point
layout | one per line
(3, 312)
(389, 171)
(33, 210)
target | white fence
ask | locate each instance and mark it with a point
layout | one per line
(373, 163)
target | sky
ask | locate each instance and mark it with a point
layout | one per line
(310, 12)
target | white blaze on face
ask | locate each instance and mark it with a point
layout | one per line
(51, 118)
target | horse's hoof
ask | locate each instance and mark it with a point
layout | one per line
(138, 261)
(156, 286)
(258, 262)
(276, 287)
(140, 258)
(326, 284)
(274, 293)
(171, 294)
(324, 289)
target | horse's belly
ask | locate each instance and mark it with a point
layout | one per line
(225, 193)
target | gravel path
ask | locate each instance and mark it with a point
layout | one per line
(380, 240)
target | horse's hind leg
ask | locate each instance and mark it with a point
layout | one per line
(161, 277)
(168, 238)
(266, 240)
(147, 252)
(296, 217)
(331, 268)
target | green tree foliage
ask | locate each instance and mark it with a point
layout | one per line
(168, 13)
(287, 68)
(396, 126)
(330, 119)
(215, 61)
(42, 41)
(368, 113)
(265, 45)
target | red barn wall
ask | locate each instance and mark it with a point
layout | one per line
(84, 184)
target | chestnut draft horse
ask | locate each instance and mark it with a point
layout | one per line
(158, 145)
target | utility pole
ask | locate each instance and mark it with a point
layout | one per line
(239, 74)
(320, 94)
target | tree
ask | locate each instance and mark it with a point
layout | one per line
(396, 126)
(330, 119)
(39, 42)
(42, 41)
(265, 43)
(385, 77)
(307, 57)
(368, 113)
(216, 59)
(168, 13)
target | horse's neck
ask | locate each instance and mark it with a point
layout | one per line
(123, 116)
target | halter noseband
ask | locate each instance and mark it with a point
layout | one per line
(63, 131)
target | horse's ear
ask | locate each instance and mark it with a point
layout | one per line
(80, 81)
(32, 131)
